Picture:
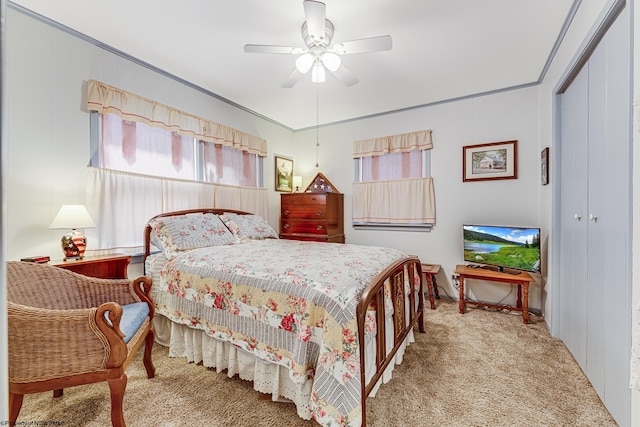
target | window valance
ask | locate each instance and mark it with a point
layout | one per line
(108, 99)
(402, 143)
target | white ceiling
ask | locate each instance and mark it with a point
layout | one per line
(442, 49)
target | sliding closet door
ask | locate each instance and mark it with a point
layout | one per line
(595, 219)
(573, 217)
(610, 217)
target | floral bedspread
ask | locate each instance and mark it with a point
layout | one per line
(288, 302)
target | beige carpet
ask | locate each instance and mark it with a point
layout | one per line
(479, 369)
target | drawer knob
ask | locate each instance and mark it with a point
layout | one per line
(286, 226)
(286, 212)
(319, 227)
(319, 213)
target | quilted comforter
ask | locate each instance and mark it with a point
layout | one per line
(286, 302)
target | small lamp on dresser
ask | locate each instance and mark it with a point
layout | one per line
(73, 217)
(297, 183)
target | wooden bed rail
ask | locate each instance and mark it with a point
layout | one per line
(374, 293)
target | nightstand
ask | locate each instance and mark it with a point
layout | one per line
(103, 267)
(429, 272)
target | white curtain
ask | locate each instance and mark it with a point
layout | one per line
(393, 193)
(406, 201)
(121, 203)
(108, 99)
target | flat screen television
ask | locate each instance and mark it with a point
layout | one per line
(504, 247)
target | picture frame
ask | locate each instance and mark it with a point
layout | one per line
(544, 166)
(491, 161)
(284, 174)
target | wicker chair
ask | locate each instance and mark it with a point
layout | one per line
(59, 334)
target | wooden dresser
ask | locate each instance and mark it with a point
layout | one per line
(316, 217)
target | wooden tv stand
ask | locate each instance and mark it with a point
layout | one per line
(522, 279)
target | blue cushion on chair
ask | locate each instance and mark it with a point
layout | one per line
(133, 316)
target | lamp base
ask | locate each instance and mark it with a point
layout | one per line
(74, 245)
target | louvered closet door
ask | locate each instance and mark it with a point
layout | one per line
(595, 219)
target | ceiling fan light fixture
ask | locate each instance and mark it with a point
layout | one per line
(304, 62)
(317, 73)
(331, 61)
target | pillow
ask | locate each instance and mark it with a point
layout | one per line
(248, 227)
(181, 233)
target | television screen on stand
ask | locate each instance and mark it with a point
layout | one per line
(503, 247)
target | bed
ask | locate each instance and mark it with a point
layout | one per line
(319, 324)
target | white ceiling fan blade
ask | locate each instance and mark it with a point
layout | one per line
(373, 44)
(345, 76)
(266, 48)
(292, 79)
(315, 13)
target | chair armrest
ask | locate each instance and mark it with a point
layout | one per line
(47, 343)
(112, 332)
(142, 288)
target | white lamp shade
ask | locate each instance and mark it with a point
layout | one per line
(331, 61)
(72, 216)
(304, 62)
(297, 181)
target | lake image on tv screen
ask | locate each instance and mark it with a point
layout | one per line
(508, 247)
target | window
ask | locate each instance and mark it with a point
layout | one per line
(393, 187)
(150, 158)
(394, 166)
(226, 165)
(136, 147)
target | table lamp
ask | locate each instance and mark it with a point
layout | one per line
(297, 182)
(73, 217)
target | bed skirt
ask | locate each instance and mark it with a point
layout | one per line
(198, 347)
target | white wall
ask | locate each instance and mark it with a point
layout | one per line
(498, 117)
(635, 268)
(48, 147)
(48, 124)
(48, 70)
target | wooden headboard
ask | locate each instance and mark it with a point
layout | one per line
(147, 228)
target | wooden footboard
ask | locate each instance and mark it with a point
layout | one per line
(375, 294)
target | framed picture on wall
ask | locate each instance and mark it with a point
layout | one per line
(544, 166)
(495, 160)
(284, 174)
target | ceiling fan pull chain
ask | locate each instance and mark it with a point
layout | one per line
(317, 125)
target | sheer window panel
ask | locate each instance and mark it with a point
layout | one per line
(227, 165)
(136, 147)
(392, 166)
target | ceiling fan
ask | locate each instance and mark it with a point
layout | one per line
(319, 54)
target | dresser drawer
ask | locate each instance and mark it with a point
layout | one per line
(334, 238)
(309, 227)
(305, 199)
(304, 211)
